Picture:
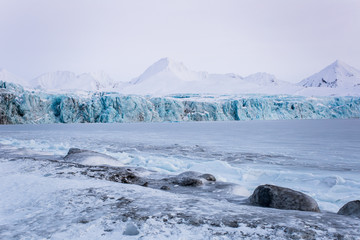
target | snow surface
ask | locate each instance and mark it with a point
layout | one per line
(66, 80)
(7, 76)
(168, 76)
(44, 197)
(336, 75)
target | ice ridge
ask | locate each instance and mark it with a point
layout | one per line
(18, 106)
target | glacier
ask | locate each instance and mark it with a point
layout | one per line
(19, 106)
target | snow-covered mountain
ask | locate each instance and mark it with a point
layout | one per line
(7, 76)
(65, 80)
(167, 76)
(167, 69)
(263, 79)
(336, 75)
(162, 77)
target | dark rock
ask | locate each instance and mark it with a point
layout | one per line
(188, 174)
(75, 150)
(208, 177)
(83, 221)
(115, 178)
(166, 188)
(191, 179)
(230, 223)
(282, 198)
(188, 182)
(351, 209)
(187, 179)
(122, 201)
(124, 177)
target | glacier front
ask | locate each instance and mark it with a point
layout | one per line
(19, 106)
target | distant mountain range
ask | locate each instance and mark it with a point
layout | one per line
(167, 76)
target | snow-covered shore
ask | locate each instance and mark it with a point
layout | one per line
(47, 197)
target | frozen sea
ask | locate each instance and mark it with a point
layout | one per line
(43, 197)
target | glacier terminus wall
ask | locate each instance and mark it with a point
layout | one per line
(19, 106)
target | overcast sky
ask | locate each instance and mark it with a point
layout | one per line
(289, 38)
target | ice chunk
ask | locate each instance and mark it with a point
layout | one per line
(131, 229)
(87, 157)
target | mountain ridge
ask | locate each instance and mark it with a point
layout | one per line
(64, 80)
(167, 76)
(337, 74)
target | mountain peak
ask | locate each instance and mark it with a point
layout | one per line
(163, 66)
(65, 80)
(169, 64)
(338, 64)
(337, 74)
(165, 60)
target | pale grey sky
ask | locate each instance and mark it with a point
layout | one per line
(289, 38)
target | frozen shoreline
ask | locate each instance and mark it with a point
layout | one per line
(317, 157)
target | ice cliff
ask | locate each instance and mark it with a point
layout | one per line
(18, 106)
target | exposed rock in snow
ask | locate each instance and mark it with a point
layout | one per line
(45, 197)
(191, 179)
(351, 209)
(338, 74)
(283, 198)
(181, 183)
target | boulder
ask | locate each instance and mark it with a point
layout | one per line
(125, 176)
(188, 182)
(76, 150)
(351, 209)
(282, 198)
(208, 177)
(191, 179)
(165, 188)
(87, 157)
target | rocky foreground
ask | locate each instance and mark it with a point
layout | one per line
(69, 197)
